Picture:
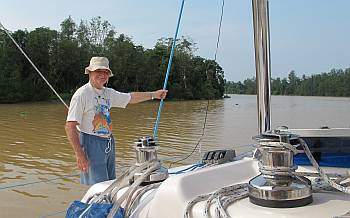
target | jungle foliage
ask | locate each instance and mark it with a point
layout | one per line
(62, 56)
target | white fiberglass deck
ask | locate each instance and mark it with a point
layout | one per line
(171, 198)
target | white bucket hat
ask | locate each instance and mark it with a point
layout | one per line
(97, 63)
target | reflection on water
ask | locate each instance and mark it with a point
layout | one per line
(34, 146)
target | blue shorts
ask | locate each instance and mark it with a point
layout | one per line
(101, 155)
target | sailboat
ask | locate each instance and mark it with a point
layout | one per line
(290, 173)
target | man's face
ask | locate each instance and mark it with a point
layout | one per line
(99, 77)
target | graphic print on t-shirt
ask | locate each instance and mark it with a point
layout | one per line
(102, 121)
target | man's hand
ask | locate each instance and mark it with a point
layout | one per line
(82, 162)
(160, 94)
(73, 138)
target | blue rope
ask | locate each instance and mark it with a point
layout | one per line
(188, 169)
(36, 182)
(168, 71)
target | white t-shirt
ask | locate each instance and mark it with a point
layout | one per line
(90, 107)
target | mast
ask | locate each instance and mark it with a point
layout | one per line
(262, 62)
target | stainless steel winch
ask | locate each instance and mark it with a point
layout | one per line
(277, 185)
(146, 150)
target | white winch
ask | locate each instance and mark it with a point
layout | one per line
(146, 151)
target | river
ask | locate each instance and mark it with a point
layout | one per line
(34, 147)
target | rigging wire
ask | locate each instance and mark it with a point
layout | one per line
(208, 100)
(168, 71)
(219, 30)
(30, 61)
(64, 103)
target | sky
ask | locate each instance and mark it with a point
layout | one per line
(307, 36)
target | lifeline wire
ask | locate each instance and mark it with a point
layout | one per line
(30, 61)
(36, 182)
(53, 214)
(168, 71)
(206, 111)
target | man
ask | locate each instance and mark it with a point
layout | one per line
(89, 110)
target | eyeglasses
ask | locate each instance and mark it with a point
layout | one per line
(102, 71)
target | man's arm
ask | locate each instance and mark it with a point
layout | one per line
(137, 97)
(73, 138)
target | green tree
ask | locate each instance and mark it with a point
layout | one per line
(62, 56)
